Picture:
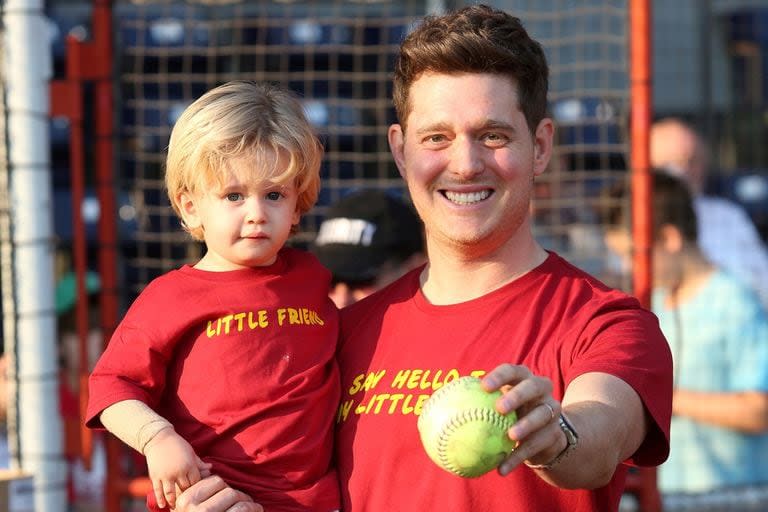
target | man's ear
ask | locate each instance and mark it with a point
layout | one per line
(542, 145)
(671, 238)
(189, 211)
(396, 139)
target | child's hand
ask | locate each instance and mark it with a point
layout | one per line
(172, 463)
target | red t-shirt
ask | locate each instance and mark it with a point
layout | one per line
(396, 349)
(242, 364)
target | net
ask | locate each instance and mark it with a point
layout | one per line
(586, 45)
(338, 56)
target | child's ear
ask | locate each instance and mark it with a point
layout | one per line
(188, 209)
(671, 238)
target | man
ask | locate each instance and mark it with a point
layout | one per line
(726, 233)
(368, 239)
(717, 330)
(585, 367)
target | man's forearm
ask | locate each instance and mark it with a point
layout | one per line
(611, 423)
(745, 411)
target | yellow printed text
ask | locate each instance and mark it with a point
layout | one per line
(237, 322)
(298, 316)
(384, 403)
(424, 379)
(365, 382)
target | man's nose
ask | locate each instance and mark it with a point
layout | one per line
(466, 158)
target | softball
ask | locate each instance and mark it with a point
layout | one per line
(461, 430)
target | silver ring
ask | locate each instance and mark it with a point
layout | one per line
(551, 410)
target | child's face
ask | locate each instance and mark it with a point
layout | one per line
(245, 222)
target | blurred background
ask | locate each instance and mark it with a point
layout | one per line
(709, 58)
(119, 73)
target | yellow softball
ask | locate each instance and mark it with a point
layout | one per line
(461, 430)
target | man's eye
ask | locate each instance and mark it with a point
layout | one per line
(495, 138)
(435, 138)
(274, 196)
(234, 196)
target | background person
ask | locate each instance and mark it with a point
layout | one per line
(368, 239)
(727, 235)
(229, 364)
(718, 333)
(585, 367)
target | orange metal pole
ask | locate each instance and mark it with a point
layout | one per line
(641, 100)
(77, 173)
(643, 484)
(107, 227)
(93, 62)
(104, 153)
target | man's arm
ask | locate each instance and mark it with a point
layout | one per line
(745, 411)
(605, 411)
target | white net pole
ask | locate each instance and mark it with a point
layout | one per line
(32, 349)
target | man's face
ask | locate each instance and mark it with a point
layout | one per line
(666, 260)
(469, 160)
(345, 293)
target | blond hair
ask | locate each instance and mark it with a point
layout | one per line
(236, 119)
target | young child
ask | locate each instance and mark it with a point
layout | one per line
(717, 330)
(228, 365)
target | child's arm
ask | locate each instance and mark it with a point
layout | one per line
(170, 459)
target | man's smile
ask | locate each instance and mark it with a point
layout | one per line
(467, 197)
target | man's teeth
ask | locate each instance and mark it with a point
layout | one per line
(467, 197)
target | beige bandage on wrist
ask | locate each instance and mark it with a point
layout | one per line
(133, 422)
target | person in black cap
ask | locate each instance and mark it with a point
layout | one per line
(368, 239)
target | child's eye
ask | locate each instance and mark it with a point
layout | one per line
(274, 196)
(234, 196)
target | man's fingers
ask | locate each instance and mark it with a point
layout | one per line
(539, 446)
(200, 492)
(521, 389)
(214, 494)
(504, 374)
(246, 507)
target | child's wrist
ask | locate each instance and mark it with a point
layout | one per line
(150, 431)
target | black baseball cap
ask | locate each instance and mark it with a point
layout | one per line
(364, 230)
